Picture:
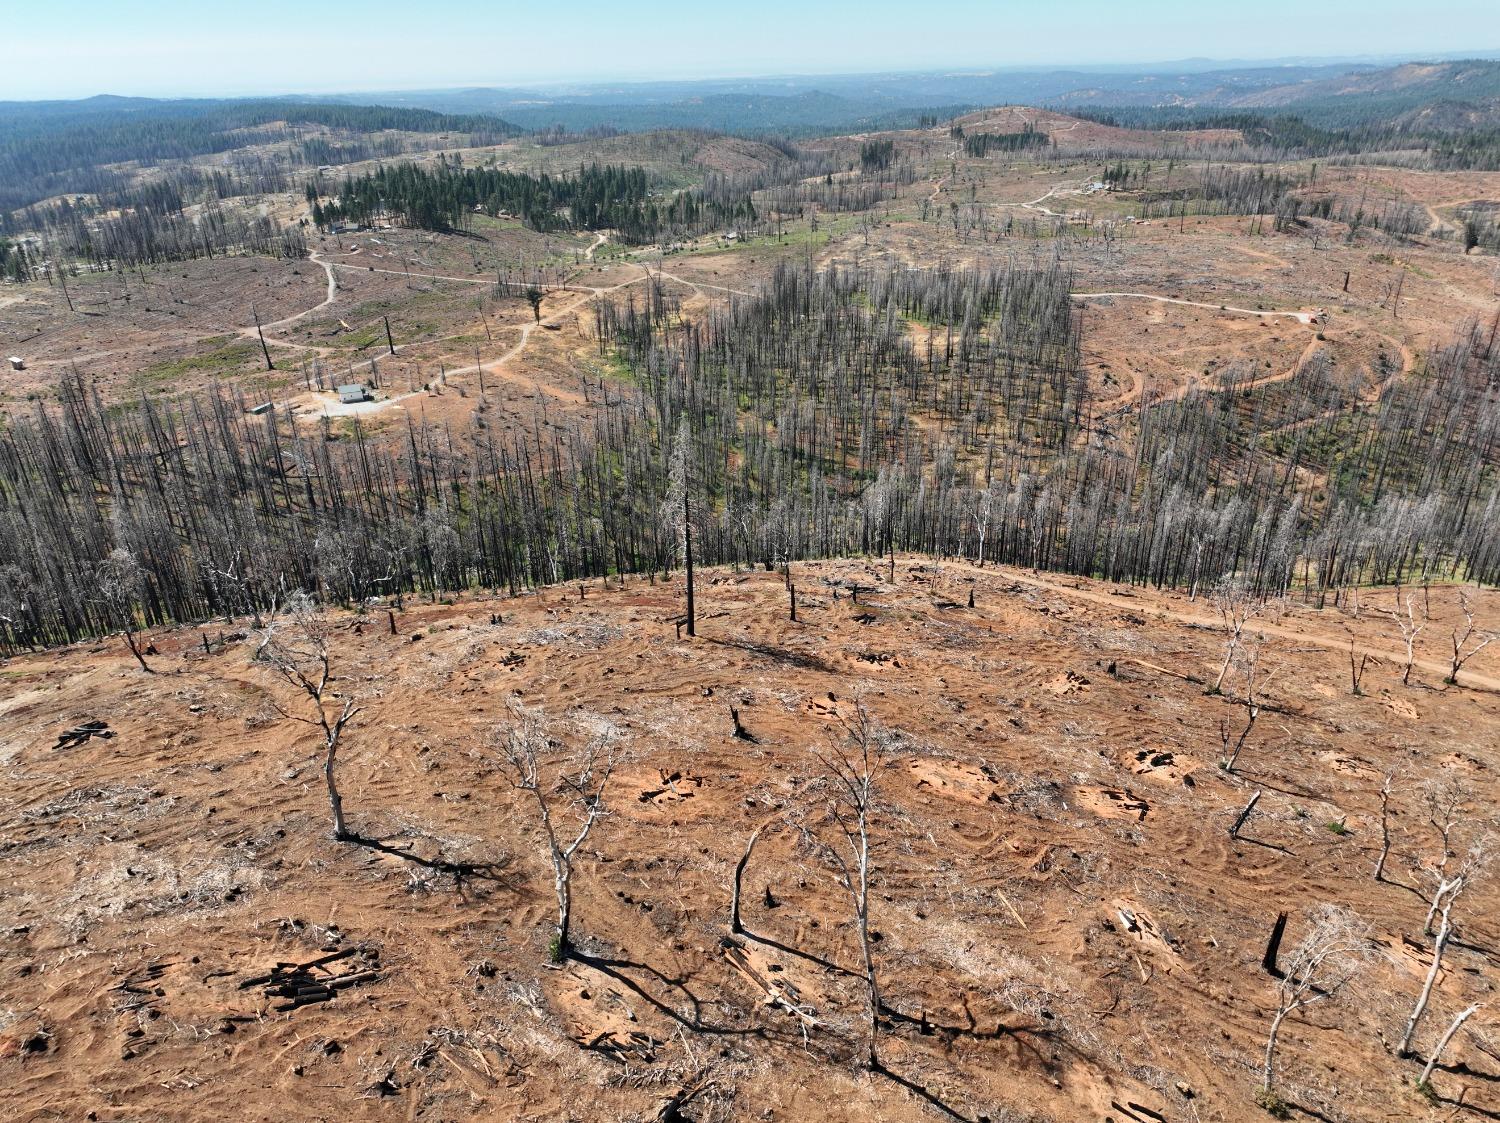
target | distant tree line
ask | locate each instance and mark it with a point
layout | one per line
(55, 148)
(1351, 132)
(146, 234)
(1177, 189)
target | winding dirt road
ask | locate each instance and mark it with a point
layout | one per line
(1304, 317)
(1317, 638)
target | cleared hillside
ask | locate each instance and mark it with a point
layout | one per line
(1062, 925)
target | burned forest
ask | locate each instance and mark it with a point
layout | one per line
(871, 598)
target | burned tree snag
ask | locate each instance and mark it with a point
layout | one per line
(1234, 831)
(740, 732)
(264, 350)
(739, 874)
(1273, 947)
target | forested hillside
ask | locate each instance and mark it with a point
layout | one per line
(54, 148)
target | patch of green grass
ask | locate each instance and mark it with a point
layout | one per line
(225, 356)
(482, 222)
(615, 366)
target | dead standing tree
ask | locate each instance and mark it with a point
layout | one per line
(1385, 826)
(1447, 811)
(1462, 638)
(677, 514)
(578, 778)
(120, 582)
(1236, 607)
(295, 644)
(849, 774)
(1424, 1082)
(1248, 658)
(1405, 616)
(1326, 960)
(1442, 906)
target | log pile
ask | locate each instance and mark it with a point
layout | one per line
(303, 984)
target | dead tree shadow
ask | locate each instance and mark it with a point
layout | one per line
(460, 871)
(1279, 785)
(798, 659)
(615, 969)
(1267, 845)
(1460, 1068)
(1459, 1105)
(811, 957)
(919, 1091)
(928, 1028)
(1311, 1112)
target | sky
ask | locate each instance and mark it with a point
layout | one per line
(77, 48)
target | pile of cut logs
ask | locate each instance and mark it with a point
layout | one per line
(302, 984)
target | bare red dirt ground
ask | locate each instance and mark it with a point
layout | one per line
(1065, 928)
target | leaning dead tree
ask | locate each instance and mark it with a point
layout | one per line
(1255, 681)
(1466, 643)
(1425, 1080)
(1326, 960)
(567, 784)
(849, 775)
(1442, 906)
(294, 642)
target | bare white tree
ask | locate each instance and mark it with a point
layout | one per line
(1466, 643)
(677, 514)
(1236, 608)
(849, 771)
(1447, 809)
(565, 784)
(1405, 616)
(294, 642)
(1327, 959)
(1442, 905)
(1256, 681)
(1425, 1081)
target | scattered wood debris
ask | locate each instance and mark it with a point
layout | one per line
(302, 984)
(81, 733)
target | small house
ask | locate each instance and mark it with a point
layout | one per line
(262, 409)
(17, 363)
(352, 392)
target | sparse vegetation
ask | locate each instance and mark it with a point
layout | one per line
(1141, 468)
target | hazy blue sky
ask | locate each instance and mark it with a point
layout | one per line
(71, 48)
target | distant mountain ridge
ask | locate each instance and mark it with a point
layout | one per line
(830, 103)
